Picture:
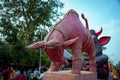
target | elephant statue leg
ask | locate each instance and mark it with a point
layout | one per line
(76, 61)
(54, 66)
(92, 63)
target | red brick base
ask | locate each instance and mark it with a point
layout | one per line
(66, 75)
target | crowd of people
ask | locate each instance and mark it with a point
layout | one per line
(15, 73)
(22, 73)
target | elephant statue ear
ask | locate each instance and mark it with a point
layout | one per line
(35, 45)
(104, 40)
(70, 42)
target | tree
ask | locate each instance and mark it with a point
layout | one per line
(5, 51)
(25, 18)
(21, 22)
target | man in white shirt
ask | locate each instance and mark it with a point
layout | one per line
(35, 74)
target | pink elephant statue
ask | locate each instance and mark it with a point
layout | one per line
(68, 33)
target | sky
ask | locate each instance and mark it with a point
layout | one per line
(105, 13)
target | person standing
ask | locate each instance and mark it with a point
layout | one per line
(21, 76)
(11, 75)
(44, 69)
(6, 73)
(35, 74)
(28, 72)
(17, 72)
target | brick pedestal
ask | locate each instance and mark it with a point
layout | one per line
(66, 75)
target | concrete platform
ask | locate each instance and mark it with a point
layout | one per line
(66, 75)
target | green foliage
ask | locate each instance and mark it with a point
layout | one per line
(45, 60)
(23, 22)
(25, 18)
